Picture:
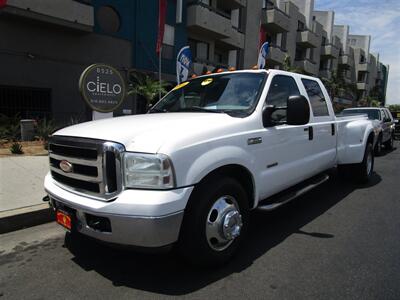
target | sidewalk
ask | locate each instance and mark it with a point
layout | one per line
(21, 191)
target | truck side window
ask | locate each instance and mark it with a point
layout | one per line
(281, 88)
(316, 97)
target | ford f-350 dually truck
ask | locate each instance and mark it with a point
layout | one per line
(189, 171)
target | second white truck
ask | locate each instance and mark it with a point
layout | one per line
(189, 172)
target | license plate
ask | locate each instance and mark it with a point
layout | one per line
(64, 219)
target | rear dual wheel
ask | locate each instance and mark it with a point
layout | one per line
(362, 171)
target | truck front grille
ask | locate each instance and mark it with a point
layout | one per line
(94, 166)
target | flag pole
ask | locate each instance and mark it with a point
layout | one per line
(159, 72)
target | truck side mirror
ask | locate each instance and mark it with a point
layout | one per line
(298, 110)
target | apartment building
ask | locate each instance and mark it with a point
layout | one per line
(46, 46)
(216, 36)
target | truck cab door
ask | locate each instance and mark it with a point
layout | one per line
(323, 123)
(283, 156)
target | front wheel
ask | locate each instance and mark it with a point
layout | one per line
(215, 222)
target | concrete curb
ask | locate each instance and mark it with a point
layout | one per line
(20, 218)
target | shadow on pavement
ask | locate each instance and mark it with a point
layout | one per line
(167, 274)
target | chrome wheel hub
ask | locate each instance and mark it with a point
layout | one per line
(224, 223)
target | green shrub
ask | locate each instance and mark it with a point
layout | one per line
(44, 129)
(10, 128)
(16, 148)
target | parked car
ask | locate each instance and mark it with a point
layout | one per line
(189, 172)
(384, 122)
(396, 118)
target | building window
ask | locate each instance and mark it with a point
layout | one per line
(200, 50)
(300, 26)
(168, 47)
(283, 41)
(362, 76)
(323, 41)
(108, 19)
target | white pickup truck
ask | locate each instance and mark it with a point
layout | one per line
(189, 172)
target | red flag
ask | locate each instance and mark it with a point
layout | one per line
(3, 3)
(262, 37)
(162, 11)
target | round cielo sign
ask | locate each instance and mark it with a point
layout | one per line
(102, 87)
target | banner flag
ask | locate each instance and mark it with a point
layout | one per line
(262, 56)
(162, 12)
(183, 64)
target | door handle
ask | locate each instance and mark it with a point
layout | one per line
(310, 132)
(333, 128)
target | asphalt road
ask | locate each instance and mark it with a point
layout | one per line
(340, 241)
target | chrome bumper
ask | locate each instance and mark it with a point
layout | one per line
(125, 230)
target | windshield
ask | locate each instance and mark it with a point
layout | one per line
(373, 114)
(235, 94)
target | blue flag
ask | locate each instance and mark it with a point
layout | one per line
(183, 64)
(262, 56)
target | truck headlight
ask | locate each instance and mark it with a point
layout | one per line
(152, 171)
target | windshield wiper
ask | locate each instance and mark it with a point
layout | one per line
(157, 110)
(200, 109)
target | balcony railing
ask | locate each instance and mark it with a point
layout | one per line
(274, 19)
(209, 7)
(206, 20)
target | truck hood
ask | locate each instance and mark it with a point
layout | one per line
(147, 133)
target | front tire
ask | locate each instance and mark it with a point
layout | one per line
(215, 222)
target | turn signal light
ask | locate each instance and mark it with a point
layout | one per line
(193, 76)
(255, 67)
(208, 72)
(219, 71)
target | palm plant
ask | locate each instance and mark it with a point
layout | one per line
(146, 87)
(287, 66)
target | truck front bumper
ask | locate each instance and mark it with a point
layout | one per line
(144, 218)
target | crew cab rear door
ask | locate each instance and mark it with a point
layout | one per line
(322, 125)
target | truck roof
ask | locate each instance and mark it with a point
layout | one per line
(268, 71)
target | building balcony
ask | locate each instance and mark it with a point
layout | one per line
(346, 60)
(204, 19)
(363, 67)
(276, 55)
(235, 39)
(66, 13)
(232, 4)
(275, 20)
(329, 51)
(307, 39)
(306, 65)
(362, 86)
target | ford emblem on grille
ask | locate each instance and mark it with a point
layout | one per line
(66, 166)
